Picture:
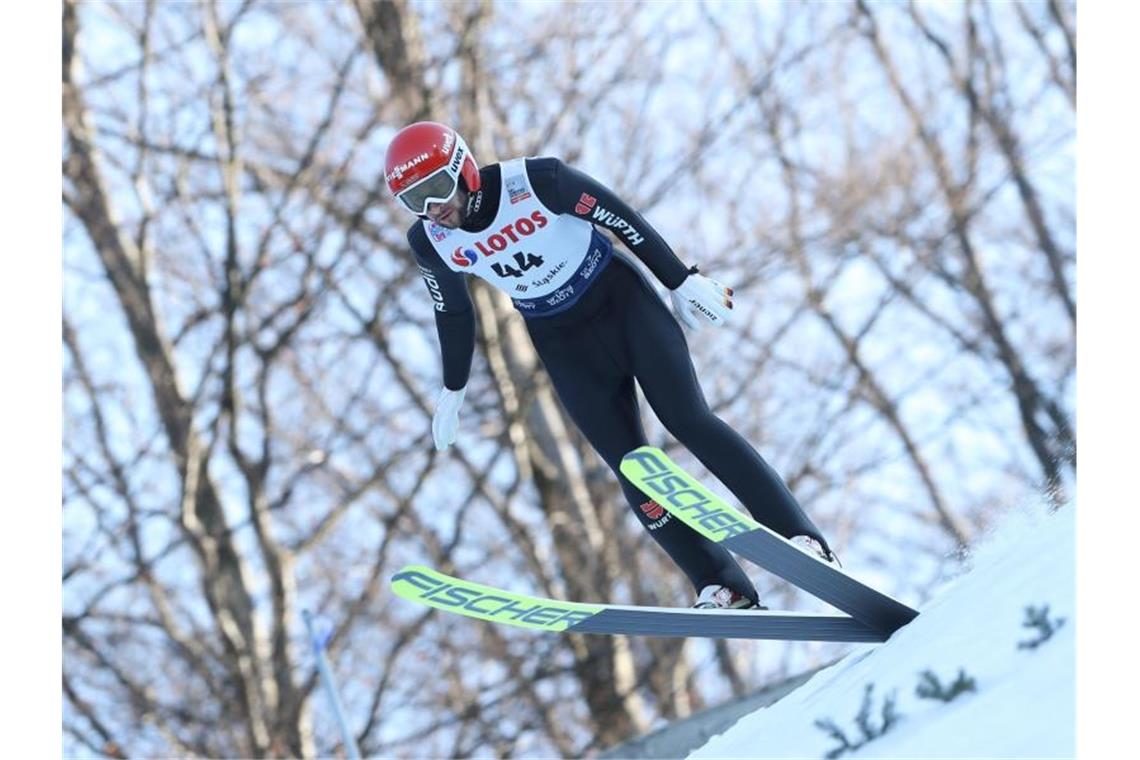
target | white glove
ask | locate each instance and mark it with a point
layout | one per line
(698, 295)
(445, 423)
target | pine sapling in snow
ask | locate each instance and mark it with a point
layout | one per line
(888, 718)
(1038, 619)
(931, 687)
(829, 727)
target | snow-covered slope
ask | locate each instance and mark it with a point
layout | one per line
(1024, 703)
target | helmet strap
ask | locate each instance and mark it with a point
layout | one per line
(474, 199)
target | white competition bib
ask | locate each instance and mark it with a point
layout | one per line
(542, 260)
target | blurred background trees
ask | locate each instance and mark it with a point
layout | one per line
(251, 361)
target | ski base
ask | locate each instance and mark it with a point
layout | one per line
(656, 475)
(442, 591)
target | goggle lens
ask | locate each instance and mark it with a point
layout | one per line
(437, 188)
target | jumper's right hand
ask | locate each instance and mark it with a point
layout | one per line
(445, 423)
(700, 300)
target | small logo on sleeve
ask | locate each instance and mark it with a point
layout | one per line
(516, 189)
(585, 203)
(433, 288)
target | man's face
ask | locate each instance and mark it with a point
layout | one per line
(450, 214)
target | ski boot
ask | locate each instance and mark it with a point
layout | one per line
(809, 545)
(717, 597)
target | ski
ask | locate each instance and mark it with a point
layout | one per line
(444, 592)
(651, 470)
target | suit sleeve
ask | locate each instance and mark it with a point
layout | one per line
(565, 190)
(454, 316)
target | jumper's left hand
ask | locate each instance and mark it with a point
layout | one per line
(700, 300)
(445, 421)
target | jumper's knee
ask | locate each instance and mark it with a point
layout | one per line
(689, 425)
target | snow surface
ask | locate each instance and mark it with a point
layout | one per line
(1025, 702)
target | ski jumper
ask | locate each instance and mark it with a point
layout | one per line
(598, 328)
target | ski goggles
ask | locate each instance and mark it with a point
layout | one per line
(434, 188)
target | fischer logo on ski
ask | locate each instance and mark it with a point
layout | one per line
(659, 478)
(433, 588)
(692, 502)
(438, 590)
(874, 616)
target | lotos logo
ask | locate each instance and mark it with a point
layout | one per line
(584, 204)
(512, 233)
(464, 257)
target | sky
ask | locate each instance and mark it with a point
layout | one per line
(1108, 272)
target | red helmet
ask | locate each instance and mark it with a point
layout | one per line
(424, 163)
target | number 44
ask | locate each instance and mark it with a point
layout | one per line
(525, 261)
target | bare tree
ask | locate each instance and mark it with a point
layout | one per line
(251, 369)
(1052, 447)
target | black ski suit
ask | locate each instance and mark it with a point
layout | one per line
(618, 331)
